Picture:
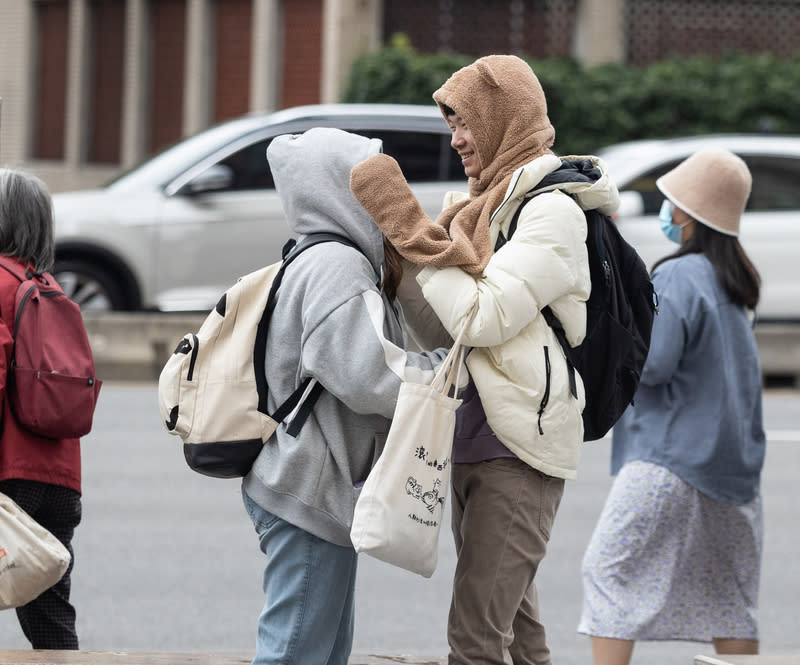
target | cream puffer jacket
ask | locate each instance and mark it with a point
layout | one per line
(516, 362)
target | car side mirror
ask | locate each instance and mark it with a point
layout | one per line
(631, 204)
(213, 179)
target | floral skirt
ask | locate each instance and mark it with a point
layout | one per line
(666, 562)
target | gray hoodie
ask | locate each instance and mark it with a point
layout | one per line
(331, 322)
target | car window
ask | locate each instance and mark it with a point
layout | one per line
(775, 183)
(646, 186)
(250, 168)
(423, 156)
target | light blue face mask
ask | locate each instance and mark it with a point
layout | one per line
(672, 231)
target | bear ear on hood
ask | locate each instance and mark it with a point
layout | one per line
(486, 73)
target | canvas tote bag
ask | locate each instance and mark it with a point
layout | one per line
(31, 558)
(398, 514)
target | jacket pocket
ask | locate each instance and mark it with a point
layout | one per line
(177, 385)
(378, 442)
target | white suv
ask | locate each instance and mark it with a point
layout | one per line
(178, 230)
(770, 229)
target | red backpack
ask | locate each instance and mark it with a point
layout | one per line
(51, 384)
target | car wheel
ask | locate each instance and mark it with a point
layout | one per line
(92, 287)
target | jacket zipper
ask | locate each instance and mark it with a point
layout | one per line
(546, 396)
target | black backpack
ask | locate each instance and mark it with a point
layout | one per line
(619, 312)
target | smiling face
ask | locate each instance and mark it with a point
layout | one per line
(463, 143)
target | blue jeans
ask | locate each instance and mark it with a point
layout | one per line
(309, 589)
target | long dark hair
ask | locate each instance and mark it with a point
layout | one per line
(393, 269)
(736, 273)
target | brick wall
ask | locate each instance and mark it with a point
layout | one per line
(52, 25)
(33, 69)
(302, 52)
(232, 71)
(478, 27)
(105, 88)
(657, 29)
(168, 35)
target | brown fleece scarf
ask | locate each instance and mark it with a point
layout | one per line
(503, 105)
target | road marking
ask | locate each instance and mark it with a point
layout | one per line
(773, 436)
(786, 435)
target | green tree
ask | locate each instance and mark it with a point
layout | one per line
(593, 107)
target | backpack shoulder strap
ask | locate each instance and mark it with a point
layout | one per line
(43, 280)
(14, 268)
(512, 227)
(561, 336)
(582, 170)
(291, 250)
(547, 313)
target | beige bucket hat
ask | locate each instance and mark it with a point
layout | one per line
(712, 186)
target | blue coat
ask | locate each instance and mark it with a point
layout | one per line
(698, 408)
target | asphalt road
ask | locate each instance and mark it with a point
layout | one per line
(167, 559)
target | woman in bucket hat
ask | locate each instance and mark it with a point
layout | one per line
(676, 553)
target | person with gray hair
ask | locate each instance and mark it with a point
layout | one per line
(676, 553)
(26, 219)
(42, 475)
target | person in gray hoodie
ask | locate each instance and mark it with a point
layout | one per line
(336, 321)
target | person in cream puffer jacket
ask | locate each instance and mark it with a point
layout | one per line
(519, 431)
(525, 394)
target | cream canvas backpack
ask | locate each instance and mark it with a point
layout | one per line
(212, 391)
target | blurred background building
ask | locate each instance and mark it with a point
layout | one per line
(90, 87)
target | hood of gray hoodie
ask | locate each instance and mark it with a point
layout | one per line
(312, 176)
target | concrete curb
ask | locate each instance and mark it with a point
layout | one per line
(56, 657)
(134, 346)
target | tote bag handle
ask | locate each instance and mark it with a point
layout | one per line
(449, 372)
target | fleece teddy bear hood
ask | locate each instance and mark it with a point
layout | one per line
(504, 107)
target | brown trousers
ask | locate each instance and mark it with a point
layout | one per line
(503, 512)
